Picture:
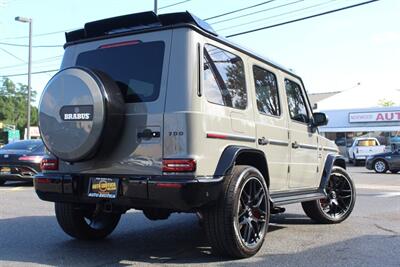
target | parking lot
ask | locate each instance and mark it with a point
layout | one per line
(30, 235)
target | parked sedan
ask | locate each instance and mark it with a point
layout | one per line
(383, 162)
(20, 161)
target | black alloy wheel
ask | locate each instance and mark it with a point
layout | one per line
(252, 211)
(339, 201)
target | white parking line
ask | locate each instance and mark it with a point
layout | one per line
(378, 187)
(389, 194)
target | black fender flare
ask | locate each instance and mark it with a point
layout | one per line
(230, 155)
(331, 160)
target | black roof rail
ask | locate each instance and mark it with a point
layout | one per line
(132, 22)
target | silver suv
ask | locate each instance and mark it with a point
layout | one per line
(161, 114)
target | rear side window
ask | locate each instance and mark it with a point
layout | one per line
(136, 67)
(369, 142)
(224, 79)
(266, 92)
(296, 101)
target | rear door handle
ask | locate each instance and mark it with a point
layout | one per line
(295, 145)
(263, 141)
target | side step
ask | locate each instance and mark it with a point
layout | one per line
(297, 197)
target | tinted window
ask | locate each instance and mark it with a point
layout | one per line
(266, 91)
(296, 102)
(136, 68)
(224, 81)
(24, 145)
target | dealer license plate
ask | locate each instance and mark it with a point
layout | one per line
(103, 187)
(5, 170)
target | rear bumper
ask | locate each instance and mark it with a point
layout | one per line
(168, 192)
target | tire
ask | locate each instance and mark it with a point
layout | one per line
(237, 224)
(81, 113)
(2, 182)
(380, 166)
(339, 203)
(74, 220)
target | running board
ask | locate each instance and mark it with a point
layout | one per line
(278, 199)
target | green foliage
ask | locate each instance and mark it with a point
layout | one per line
(386, 103)
(13, 104)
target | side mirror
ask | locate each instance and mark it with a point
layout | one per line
(319, 119)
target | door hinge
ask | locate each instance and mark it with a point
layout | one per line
(317, 169)
(288, 168)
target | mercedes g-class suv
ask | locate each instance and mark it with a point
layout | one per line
(161, 114)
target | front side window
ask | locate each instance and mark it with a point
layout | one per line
(296, 102)
(136, 67)
(266, 92)
(224, 79)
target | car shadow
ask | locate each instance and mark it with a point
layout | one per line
(17, 183)
(180, 239)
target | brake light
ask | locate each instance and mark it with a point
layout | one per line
(35, 159)
(179, 165)
(133, 42)
(49, 165)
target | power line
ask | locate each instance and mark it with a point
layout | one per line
(238, 10)
(175, 4)
(37, 35)
(34, 46)
(278, 15)
(11, 54)
(304, 18)
(42, 60)
(256, 12)
(23, 74)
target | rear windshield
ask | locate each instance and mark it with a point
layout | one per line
(367, 143)
(24, 145)
(136, 67)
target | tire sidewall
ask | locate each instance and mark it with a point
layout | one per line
(240, 181)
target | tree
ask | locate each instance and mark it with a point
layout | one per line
(386, 103)
(13, 104)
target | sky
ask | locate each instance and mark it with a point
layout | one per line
(334, 52)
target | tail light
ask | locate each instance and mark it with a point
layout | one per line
(179, 165)
(35, 159)
(49, 164)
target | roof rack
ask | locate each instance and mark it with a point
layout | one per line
(132, 22)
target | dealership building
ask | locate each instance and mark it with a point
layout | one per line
(356, 113)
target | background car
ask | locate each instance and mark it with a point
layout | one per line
(20, 161)
(384, 162)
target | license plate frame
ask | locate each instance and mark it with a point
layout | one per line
(103, 187)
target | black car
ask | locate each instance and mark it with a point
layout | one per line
(20, 161)
(383, 162)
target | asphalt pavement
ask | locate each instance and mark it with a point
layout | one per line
(30, 235)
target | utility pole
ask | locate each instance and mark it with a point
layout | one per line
(28, 20)
(155, 7)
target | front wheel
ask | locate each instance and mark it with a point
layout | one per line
(380, 166)
(339, 202)
(2, 182)
(85, 222)
(236, 226)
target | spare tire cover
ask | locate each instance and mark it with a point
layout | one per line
(73, 113)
